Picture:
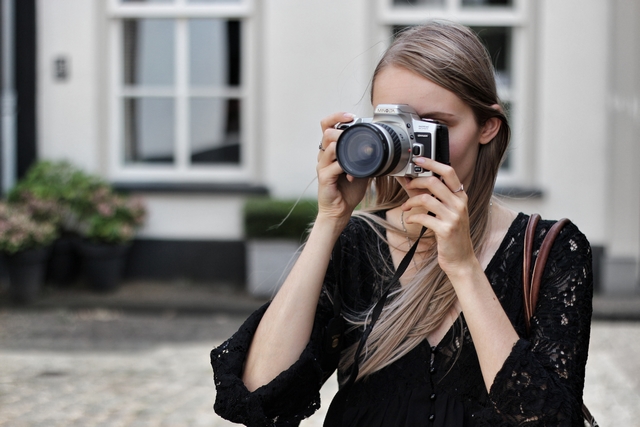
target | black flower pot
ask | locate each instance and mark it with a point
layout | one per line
(103, 264)
(26, 274)
(64, 263)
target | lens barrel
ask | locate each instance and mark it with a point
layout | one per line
(366, 150)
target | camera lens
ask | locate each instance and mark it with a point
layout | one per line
(366, 150)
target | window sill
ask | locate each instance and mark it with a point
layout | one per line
(190, 188)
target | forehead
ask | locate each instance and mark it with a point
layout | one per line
(396, 85)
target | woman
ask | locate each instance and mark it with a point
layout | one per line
(447, 348)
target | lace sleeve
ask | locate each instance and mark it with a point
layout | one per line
(295, 393)
(542, 380)
(292, 396)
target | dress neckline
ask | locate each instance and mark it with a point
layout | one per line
(512, 230)
(515, 225)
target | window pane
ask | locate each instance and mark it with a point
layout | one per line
(215, 130)
(504, 3)
(508, 161)
(149, 52)
(214, 52)
(146, 1)
(214, 1)
(498, 42)
(149, 130)
(418, 2)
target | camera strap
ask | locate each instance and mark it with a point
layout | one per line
(335, 328)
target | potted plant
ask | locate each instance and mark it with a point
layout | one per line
(96, 224)
(107, 222)
(54, 184)
(25, 238)
(275, 230)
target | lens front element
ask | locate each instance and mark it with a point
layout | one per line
(361, 150)
(366, 149)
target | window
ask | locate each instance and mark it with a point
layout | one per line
(180, 90)
(504, 28)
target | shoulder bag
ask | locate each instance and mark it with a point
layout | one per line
(531, 280)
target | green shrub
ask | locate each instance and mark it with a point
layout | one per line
(79, 202)
(266, 218)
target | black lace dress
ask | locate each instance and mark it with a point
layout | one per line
(540, 383)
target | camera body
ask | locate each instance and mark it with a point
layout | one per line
(387, 143)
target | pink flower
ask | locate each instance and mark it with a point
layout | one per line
(105, 209)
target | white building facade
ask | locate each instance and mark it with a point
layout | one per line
(199, 104)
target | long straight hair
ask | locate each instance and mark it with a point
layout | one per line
(451, 56)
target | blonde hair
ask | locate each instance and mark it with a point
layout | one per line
(453, 57)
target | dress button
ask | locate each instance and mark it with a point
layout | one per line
(433, 396)
(432, 370)
(432, 417)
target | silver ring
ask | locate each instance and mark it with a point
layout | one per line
(460, 189)
(320, 147)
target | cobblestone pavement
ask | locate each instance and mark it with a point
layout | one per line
(106, 368)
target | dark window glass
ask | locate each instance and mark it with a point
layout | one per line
(418, 2)
(498, 43)
(214, 1)
(497, 40)
(214, 52)
(149, 52)
(146, 1)
(473, 3)
(149, 130)
(507, 163)
(214, 130)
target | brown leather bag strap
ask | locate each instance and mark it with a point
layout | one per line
(531, 281)
(541, 262)
(526, 267)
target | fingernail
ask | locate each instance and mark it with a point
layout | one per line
(349, 116)
(418, 160)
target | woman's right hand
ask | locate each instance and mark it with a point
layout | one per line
(338, 193)
(285, 328)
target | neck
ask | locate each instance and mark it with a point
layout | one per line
(412, 230)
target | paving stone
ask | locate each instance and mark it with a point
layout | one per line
(166, 380)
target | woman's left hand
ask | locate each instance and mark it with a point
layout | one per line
(446, 199)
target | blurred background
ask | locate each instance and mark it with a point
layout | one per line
(200, 104)
(185, 122)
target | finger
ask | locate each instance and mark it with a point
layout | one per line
(328, 136)
(431, 185)
(440, 200)
(447, 173)
(330, 172)
(333, 119)
(327, 156)
(425, 203)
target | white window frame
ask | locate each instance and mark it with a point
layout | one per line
(519, 17)
(181, 171)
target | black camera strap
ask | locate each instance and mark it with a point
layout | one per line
(335, 328)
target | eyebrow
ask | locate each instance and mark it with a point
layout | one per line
(436, 115)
